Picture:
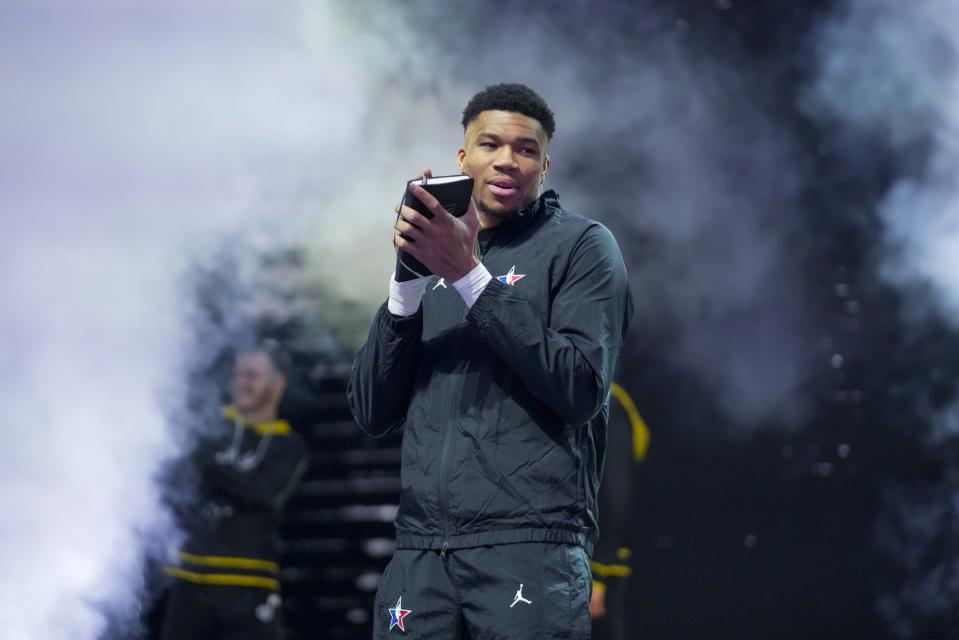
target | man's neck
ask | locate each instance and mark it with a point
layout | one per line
(489, 220)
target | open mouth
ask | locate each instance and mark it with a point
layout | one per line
(503, 188)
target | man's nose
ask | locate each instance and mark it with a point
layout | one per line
(505, 158)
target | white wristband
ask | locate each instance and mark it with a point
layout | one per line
(472, 284)
(405, 297)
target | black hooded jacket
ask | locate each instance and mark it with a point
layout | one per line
(503, 406)
(246, 473)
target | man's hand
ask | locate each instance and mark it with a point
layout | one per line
(597, 602)
(444, 243)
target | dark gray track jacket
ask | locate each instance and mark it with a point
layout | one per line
(503, 406)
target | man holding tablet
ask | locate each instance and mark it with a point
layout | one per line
(500, 385)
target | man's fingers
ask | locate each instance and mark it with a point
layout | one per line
(410, 231)
(402, 244)
(427, 172)
(413, 216)
(409, 246)
(403, 240)
(471, 218)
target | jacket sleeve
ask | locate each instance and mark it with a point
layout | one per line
(269, 484)
(566, 360)
(384, 372)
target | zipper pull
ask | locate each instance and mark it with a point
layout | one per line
(446, 545)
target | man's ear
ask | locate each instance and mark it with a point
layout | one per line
(460, 158)
(542, 175)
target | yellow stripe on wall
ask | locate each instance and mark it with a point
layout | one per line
(228, 579)
(230, 562)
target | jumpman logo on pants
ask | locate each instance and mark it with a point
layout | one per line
(519, 597)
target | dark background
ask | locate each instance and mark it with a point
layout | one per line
(822, 511)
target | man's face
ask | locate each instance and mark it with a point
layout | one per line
(255, 384)
(505, 153)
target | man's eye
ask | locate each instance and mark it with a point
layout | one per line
(487, 145)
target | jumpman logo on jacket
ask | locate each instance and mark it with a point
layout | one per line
(519, 597)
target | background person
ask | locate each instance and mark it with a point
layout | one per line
(627, 443)
(226, 582)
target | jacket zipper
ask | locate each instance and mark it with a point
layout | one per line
(444, 480)
(444, 459)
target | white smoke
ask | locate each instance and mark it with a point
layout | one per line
(133, 136)
(892, 72)
(659, 142)
(889, 72)
(412, 104)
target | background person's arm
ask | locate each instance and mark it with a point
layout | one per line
(269, 483)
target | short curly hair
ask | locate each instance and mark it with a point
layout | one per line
(511, 97)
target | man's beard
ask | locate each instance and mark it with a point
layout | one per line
(498, 216)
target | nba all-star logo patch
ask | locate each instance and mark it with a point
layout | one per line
(511, 276)
(397, 614)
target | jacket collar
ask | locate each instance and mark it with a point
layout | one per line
(522, 219)
(270, 427)
(548, 198)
